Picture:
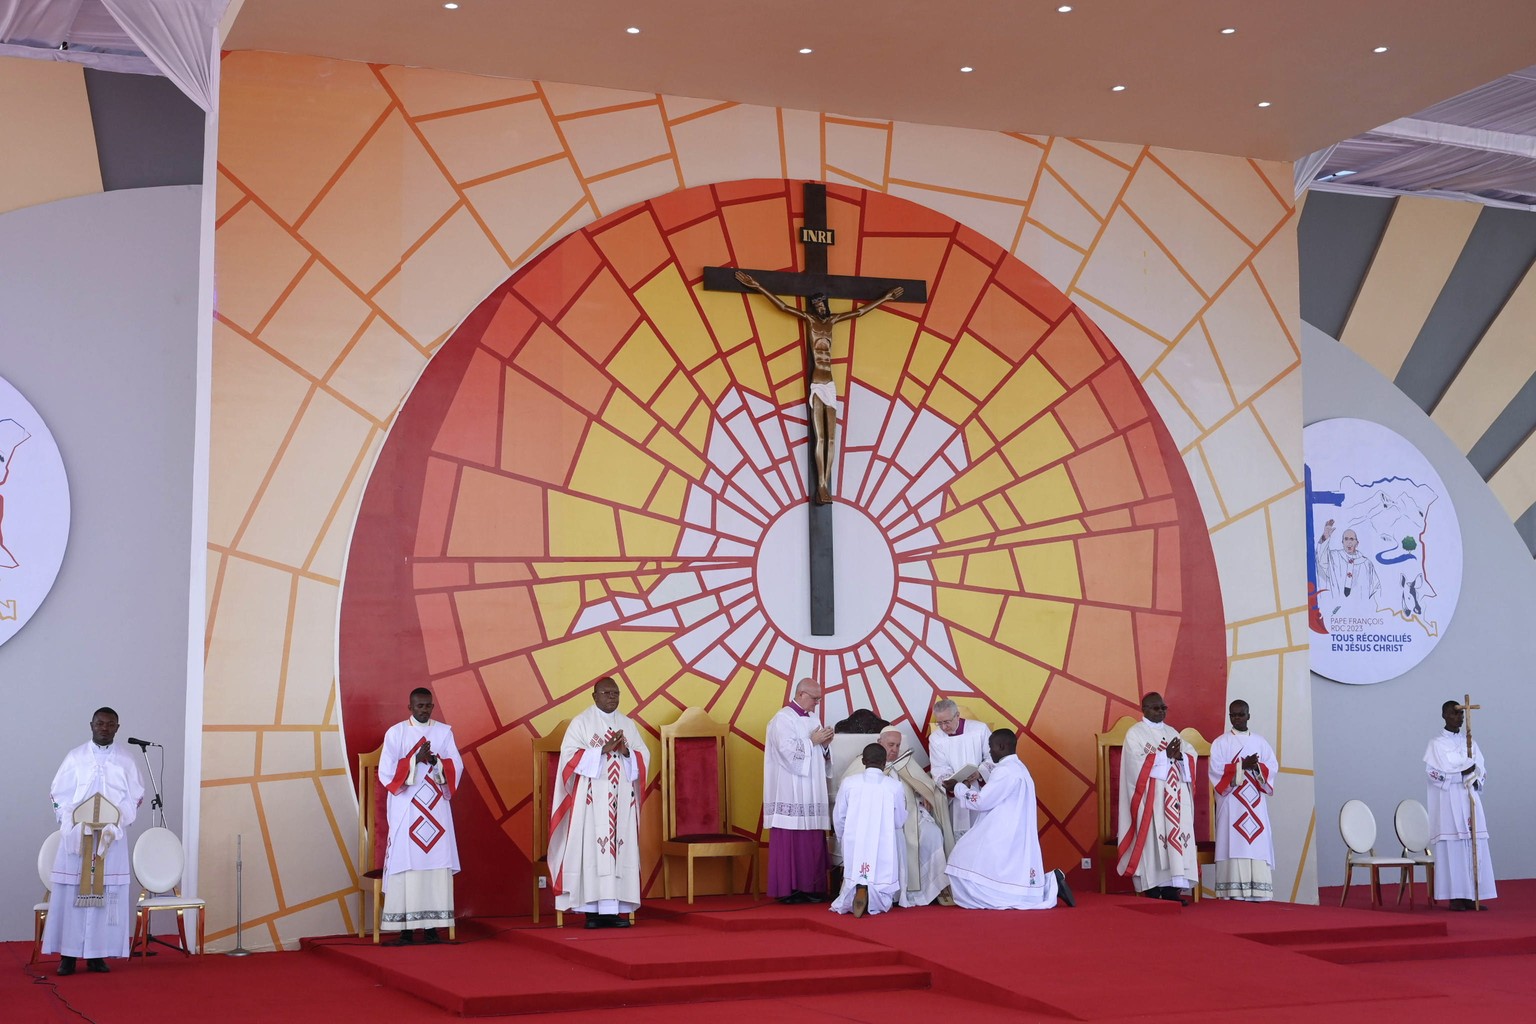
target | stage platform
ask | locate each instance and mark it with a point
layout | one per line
(1113, 958)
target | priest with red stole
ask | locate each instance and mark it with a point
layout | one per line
(594, 828)
(419, 767)
(1157, 807)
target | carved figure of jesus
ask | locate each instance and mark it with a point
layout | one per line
(822, 397)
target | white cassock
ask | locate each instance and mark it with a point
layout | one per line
(1245, 843)
(871, 809)
(594, 827)
(948, 754)
(1350, 581)
(422, 854)
(925, 839)
(1157, 810)
(794, 773)
(997, 864)
(1451, 797)
(98, 931)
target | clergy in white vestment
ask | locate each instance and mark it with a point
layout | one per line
(795, 812)
(1455, 790)
(926, 840)
(1242, 771)
(997, 864)
(594, 827)
(90, 911)
(871, 808)
(420, 769)
(953, 744)
(1157, 807)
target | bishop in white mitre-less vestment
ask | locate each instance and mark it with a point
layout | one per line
(1157, 807)
(1242, 770)
(997, 865)
(420, 769)
(594, 830)
(93, 927)
(1455, 788)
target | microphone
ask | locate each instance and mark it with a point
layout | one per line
(142, 744)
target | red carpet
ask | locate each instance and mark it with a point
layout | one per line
(1112, 959)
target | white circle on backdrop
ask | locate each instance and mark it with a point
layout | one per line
(862, 589)
(34, 511)
(1377, 611)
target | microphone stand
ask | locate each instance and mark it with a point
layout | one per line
(157, 805)
(156, 820)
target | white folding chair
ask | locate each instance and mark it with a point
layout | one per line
(1411, 822)
(158, 861)
(45, 859)
(1357, 827)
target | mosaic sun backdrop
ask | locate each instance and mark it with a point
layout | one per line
(603, 471)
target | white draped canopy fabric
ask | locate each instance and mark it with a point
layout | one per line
(174, 38)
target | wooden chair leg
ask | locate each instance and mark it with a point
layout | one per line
(1429, 885)
(453, 927)
(1348, 872)
(537, 874)
(666, 877)
(690, 880)
(202, 916)
(559, 918)
(1375, 886)
(39, 918)
(378, 907)
(181, 929)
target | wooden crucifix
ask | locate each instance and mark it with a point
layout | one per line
(818, 286)
(1468, 707)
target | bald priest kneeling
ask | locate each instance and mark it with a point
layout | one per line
(997, 864)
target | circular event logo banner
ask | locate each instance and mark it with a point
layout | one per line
(34, 511)
(1383, 552)
(603, 470)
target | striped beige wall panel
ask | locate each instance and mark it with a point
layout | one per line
(50, 148)
(1515, 482)
(1416, 255)
(1503, 361)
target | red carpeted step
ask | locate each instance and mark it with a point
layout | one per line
(1408, 949)
(1355, 933)
(666, 949)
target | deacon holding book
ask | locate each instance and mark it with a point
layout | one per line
(96, 795)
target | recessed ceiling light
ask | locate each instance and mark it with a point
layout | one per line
(1380, 49)
(1064, 9)
(632, 30)
(1117, 88)
(1263, 103)
(805, 49)
(1228, 31)
(450, 7)
(967, 69)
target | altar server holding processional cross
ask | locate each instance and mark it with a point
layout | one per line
(96, 795)
(1458, 829)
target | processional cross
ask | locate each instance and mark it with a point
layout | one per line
(1468, 707)
(818, 286)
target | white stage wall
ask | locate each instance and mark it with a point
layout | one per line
(1369, 740)
(98, 303)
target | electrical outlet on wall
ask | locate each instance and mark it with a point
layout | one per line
(1087, 865)
(543, 882)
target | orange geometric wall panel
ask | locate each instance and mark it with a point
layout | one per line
(603, 471)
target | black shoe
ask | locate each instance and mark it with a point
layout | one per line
(815, 897)
(797, 897)
(97, 965)
(430, 936)
(66, 966)
(620, 921)
(594, 921)
(407, 937)
(1063, 890)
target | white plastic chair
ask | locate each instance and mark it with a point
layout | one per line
(1411, 822)
(1357, 827)
(45, 859)
(158, 861)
